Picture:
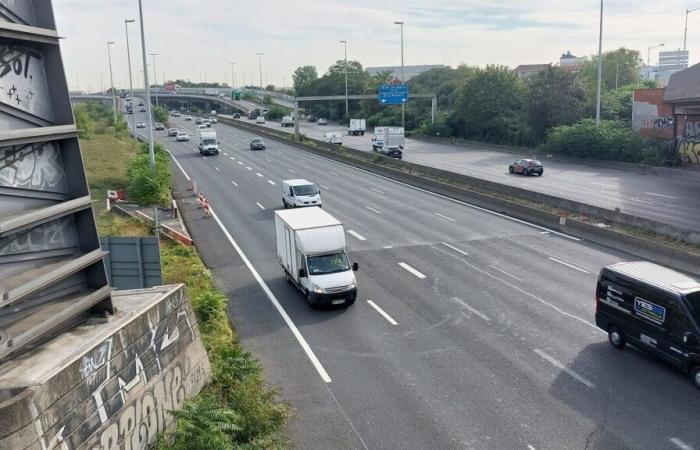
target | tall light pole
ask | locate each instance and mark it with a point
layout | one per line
(111, 80)
(345, 45)
(649, 51)
(147, 90)
(685, 33)
(262, 94)
(403, 80)
(233, 76)
(600, 67)
(131, 83)
(155, 77)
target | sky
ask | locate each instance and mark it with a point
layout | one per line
(197, 39)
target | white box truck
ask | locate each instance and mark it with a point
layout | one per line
(388, 138)
(287, 121)
(311, 251)
(208, 143)
(357, 127)
(211, 91)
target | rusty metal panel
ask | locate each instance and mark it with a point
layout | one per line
(52, 272)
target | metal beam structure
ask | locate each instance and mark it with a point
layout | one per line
(52, 273)
(433, 106)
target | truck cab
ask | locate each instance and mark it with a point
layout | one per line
(208, 143)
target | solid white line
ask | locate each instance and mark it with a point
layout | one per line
(249, 168)
(373, 210)
(271, 182)
(234, 183)
(377, 190)
(382, 312)
(680, 444)
(412, 270)
(545, 232)
(562, 367)
(661, 195)
(259, 174)
(474, 311)
(644, 202)
(356, 235)
(217, 169)
(295, 331)
(455, 248)
(181, 168)
(259, 205)
(504, 272)
(291, 171)
(445, 217)
(325, 187)
(568, 265)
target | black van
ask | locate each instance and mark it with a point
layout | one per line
(654, 308)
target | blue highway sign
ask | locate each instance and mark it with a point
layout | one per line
(393, 94)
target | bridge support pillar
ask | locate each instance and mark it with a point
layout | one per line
(296, 120)
(433, 110)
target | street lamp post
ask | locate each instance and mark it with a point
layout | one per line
(111, 80)
(345, 45)
(685, 33)
(600, 67)
(233, 76)
(131, 83)
(262, 94)
(649, 51)
(155, 77)
(403, 80)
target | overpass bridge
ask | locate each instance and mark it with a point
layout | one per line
(177, 100)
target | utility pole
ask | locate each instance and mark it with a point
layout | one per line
(345, 44)
(262, 94)
(111, 80)
(155, 77)
(600, 67)
(131, 83)
(403, 78)
(233, 76)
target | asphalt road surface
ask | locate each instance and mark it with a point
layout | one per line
(658, 197)
(471, 329)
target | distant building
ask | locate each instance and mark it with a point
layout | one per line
(571, 62)
(409, 71)
(525, 71)
(670, 62)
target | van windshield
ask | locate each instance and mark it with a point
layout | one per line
(321, 265)
(693, 301)
(209, 141)
(305, 189)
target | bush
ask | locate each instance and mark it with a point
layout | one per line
(612, 141)
(161, 115)
(142, 186)
(82, 121)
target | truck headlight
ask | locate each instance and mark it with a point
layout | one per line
(319, 289)
(353, 285)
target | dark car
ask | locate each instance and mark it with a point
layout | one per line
(312, 119)
(526, 167)
(392, 152)
(236, 116)
(257, 144)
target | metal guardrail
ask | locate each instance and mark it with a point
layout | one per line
(52, 271)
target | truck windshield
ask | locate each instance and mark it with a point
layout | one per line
(305, 189)
(209, 141)
(320, 265)
(694, 304)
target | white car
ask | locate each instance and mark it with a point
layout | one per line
(213, 120)
(188, 118)
(140, 124)
(172, 132)
(260, 119)
(333, 138)
(201, 126)
(182, 136)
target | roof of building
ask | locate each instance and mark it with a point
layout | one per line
(532, 67)
(684, 85)
(567, 55)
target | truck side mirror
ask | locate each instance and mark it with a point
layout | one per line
(690, 338)
(302, 273)
(355, 267)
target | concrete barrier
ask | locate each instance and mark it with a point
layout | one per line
(441, 182)
(107, 385)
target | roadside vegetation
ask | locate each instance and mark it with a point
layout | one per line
(492, 104)
(238, 409)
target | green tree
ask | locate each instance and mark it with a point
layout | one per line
(82, 121)
(622, 65)
(143, 186)
(489, 107)
(553, 97)
(160, 114)
(302, 76)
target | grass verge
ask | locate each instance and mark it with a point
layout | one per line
(238, 409)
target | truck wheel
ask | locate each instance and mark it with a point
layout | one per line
(616, 338)
(695, 376)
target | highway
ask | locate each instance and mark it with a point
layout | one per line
(657, 197)
(471, 329)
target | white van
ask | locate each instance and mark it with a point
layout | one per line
(298, 193)
(333, 138)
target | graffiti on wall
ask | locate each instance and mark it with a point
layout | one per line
(33, 166)
(23, 80)
(651, 117)
(130, 381)
(688, 148)
(54, 235)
